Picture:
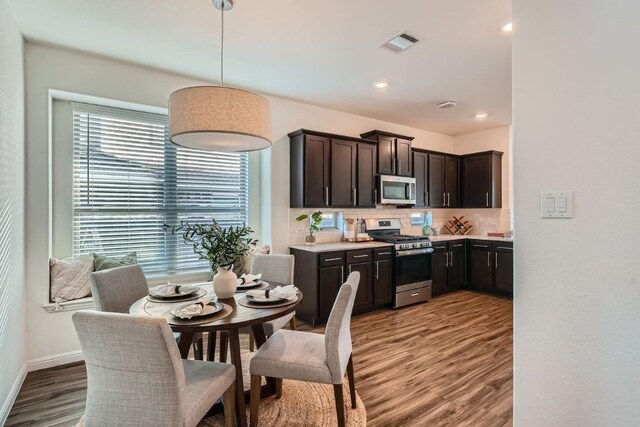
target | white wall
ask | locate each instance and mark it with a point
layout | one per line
(50, 68)
(12, 317)
(576, 81)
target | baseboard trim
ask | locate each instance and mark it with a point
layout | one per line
(55, 360)
(13, 394)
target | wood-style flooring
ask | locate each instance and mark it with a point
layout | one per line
(444, 363)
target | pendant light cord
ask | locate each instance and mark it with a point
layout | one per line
(222, 45)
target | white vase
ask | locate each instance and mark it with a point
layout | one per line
(225, 283)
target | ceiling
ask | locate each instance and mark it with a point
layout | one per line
(320, 52)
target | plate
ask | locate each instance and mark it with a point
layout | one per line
(208, 310)
(249, 285)
(265, 300)
(183, 291)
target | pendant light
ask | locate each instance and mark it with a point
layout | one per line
(219, 118)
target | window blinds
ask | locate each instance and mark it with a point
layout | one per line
(129, 180)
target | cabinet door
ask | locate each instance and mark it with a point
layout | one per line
(330, 280)
(420, 173)
(480, 271)
(436, 181)
(364, 295)
(386, 155)
(403, 157)
(439, 273)
(451, 181)
(316, 171)
(383, 282)
(366, 195)
(476, 181)
(503, 263)
(457, 266)
(343, 172)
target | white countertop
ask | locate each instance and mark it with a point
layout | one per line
(447, 237)
(341, 246)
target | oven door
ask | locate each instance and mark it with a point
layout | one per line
(413, 269)
(397, 190)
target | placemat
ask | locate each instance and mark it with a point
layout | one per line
(226, 310)
(199, 294)
(246, 303)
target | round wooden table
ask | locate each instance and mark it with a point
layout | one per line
(241, 317)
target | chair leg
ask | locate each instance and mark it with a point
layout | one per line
(198, 350)
(292, 323)
(229, 402)
(352, 382)
(256, 383)
(337, 391)
(278, 388)
(252, 343)
(224, 346)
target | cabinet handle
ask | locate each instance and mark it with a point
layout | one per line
(488, 259)
(355, 193)
(496, 260)
(459, 245)
(450, 259)
(375, 196)
(505, 247)
(487, 199)
(377, 270)
(349, 267)
(448, 199)
(384, 253)
(444, 199)
(342, 272)
(360, 256)
(414, 294)
(326, 195)
(333, 259)
(446, 264)
(480, 246)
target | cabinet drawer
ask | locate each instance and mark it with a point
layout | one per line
(383, 253)
(413, 296)
(480, 245)
(331, 259)
(359, 256)
(440, 247)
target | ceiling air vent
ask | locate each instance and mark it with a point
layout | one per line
(447, 104)
(401, 42)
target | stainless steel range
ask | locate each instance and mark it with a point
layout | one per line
(412, 261)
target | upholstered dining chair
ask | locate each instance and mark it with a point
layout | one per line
(305, 356)
(135, 375)
(115, 289)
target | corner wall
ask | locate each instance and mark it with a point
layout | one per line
(576, 80)
(12, 315)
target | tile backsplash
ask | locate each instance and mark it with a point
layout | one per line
(483, 220)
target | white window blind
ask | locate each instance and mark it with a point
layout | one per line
(129, 180)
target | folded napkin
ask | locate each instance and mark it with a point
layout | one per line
(247, 278)
(167, 290)
(193, 309)
(286, 292)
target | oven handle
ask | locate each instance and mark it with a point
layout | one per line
(414, 252)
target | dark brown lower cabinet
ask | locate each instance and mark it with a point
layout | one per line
(503, 264)
(439, 271)
(448, 266)
(383, 282)
(457, 265)
(491, 266)
(330, 280)
(364, 296)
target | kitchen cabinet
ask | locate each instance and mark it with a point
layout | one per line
(328, 170)
(343, 173)
(481, 176)
(491, 266)
(366, 179)
(443, 181)
(421, 174)
(394, 152)
(448, 266)
(320, 275)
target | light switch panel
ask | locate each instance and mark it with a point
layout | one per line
(556, 205)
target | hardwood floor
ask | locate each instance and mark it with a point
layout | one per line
(444, 363)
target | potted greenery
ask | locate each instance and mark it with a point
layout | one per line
(221, 247)
(314, 225)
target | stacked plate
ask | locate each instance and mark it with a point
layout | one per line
(249, 285)
(206, 310)
(179, 293)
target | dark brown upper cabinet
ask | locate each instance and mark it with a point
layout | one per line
(421, 174)
(443, 181)
(481, 177)
(394, 152)
(329, 170)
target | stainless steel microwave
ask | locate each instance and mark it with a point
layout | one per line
(396, 190)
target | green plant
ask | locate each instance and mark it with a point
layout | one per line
(314, 221)
(219, 245)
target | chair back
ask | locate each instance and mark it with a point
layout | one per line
(276, 268)
(134, 371)
(114, 290)
(337, 339)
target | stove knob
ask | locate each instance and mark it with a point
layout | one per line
(403, 246)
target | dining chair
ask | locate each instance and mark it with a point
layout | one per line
(135, 375)
(116, 289)
(306, 356)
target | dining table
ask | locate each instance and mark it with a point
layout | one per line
(241, 316)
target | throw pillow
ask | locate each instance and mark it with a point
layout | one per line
(243, 264)
(103, 262)
(69, 278)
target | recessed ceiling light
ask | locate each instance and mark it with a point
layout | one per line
(508, 27)
(381, 84)
(482, 115)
